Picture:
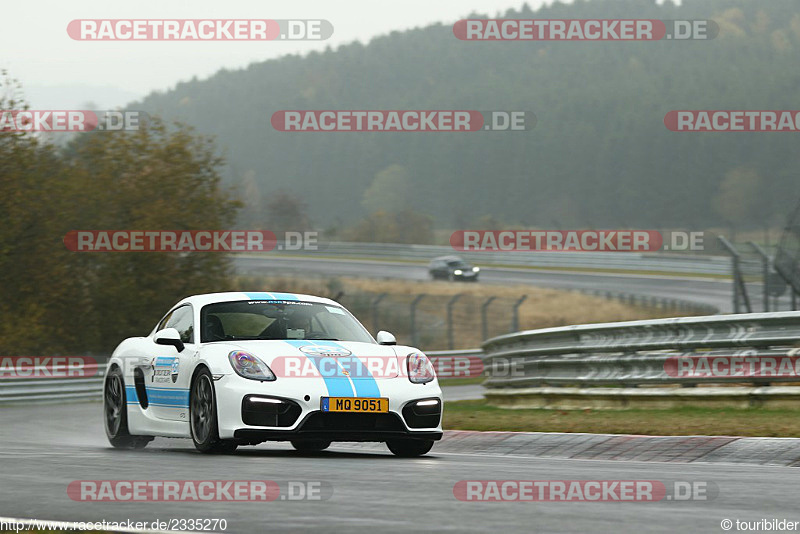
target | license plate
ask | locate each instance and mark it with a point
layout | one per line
(348, 404)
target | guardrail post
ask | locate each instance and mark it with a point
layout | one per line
(515, 314)
(765, 271)
(738, 281)
(450, 305)
(484, 320)
(413, 318)
(374, 310)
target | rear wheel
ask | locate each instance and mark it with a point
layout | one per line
(115, 414)
(408, 448)
(314, 445)
(203, 417)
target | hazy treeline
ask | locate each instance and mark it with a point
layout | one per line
(54, 301)
(600, 155)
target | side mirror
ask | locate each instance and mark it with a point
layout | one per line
(169, 336)
(385, 338)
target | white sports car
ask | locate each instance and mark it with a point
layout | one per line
(230, 369)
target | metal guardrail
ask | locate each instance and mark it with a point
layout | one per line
(627, 261)
(51, 390)
(640, 353)
(454, 353)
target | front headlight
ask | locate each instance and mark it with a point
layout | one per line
(458, 272)
(248, 366)
(420, 368)
(476, 269)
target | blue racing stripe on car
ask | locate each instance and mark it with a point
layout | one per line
(130, 395)
(365, 384)
(260, 295)
(284, 296)
(264, 295)
(170, 398)
(338, 386)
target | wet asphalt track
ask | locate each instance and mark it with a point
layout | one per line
(43, 448)
(714, 292)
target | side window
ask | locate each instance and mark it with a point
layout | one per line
(182, 320)
(163, 324)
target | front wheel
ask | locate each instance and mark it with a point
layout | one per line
(203, 417)
(409, 448)
(115, 414)
(310, 445)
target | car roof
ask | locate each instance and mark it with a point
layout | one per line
(231, 296)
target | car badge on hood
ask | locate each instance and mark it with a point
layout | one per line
(327, 352)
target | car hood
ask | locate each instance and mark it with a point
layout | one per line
(360, 360)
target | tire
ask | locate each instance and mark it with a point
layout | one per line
(315, 445)
(115, 414)
(203, 416)
(409, 448)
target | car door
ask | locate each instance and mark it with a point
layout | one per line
(438, 269)
(167, 384)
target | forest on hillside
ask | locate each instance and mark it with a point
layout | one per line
(599, 156)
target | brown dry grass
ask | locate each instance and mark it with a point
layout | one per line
(543, 307)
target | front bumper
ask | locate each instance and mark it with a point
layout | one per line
(330, 426)
(298, 413)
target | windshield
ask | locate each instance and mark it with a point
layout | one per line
(459, 264)
(260, 319)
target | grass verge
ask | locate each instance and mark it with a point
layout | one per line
(462, 381)
(478, 415)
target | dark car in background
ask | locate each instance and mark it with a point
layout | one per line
(453, 268)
